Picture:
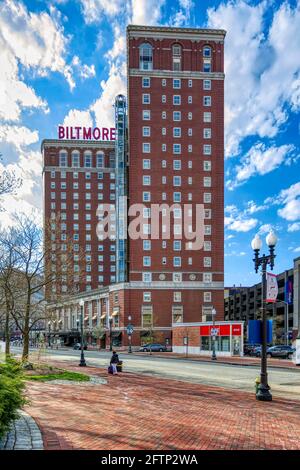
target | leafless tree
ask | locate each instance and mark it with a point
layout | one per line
(9, 182)
(43, 264)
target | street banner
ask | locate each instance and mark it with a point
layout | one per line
(272, 288)
(288, 292)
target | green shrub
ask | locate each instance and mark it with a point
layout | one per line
(11, 393)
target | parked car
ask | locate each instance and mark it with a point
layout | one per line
(280, 351)
(78, 346)
(155, 347)
(256, 351)
(248, 348)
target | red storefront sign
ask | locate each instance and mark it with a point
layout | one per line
(223, 330)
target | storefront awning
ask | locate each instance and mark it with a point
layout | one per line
(115, 313)
(94, 317)
(102, 317)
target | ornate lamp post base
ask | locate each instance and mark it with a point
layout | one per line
(82, 362)
(263, 393)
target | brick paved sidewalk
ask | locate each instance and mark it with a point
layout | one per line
(23, 434)
(137, 412)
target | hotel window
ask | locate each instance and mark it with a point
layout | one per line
(146, 212)
(63, 158)
(146, 245)
(164, 196)
(163, 99)
(63, 175)
(176, 180)
(207, 51)
(146, 296)
(176, 197)
(207, 246)
(164, 115)
(88, 160)
(146, 229)
(207, 277)
(75, 175)
(177, 261)
(146, 98)
(190, 116)
(100, 176)
(164, 244)
(164, 260)
(100, 185)
(100, 159)
(207, 166)
(87, 185)
(207, 229)
(207, 65)
(207, 133)
(164, 82)
(100, 247)
(190, 148)
(146, 196)
(177, 314)
(176, 53)
(163, 147)
(206, 84)
(147, 261)
(163, 131)
(190, 164)
(146, 57)
(190, 180)
(52, 174)
(87, 195)
(207, 198)
(146, 115)
(207, 261)
(190, 100)
(164, 180)
(190, 83)
(177, 277)
(206, 100)
(75, 159)
(147, 277)
(190, 196)
(176, 99)
(207, 296)
(147, 317)
(52, 185)
(176, 131)
(207, 181)
(52, 195)
(176, 83)
(146, 131)
(176, 116)
(177, 245)
(146, 164)
(53, 205)
(207, 149)
(75, 185)
(177, 297)
(177, 165)
(146, 148)
(146, 180)
(146, 82)
(207, 213)
(164, 164)
(177, 148)
(207, 117)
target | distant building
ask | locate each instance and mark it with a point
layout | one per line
(244, 303)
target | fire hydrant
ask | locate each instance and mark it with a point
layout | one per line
(257, 382)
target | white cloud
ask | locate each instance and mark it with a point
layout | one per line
(84, 70)
(259, 161)
(19, 136)
(146, 12)
(291, 210)
(78, 118)
(238, 221)
(96, 10)
(290, 199)
(266, 64)
(297, 250)
(183, 15)
(294, 227)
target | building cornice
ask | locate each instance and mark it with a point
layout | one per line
(58, 143)
(161, 32)
(176, 74)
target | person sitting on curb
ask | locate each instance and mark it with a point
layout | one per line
(114, 361)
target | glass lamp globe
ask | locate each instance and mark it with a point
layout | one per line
(256, 243)
(271, 238)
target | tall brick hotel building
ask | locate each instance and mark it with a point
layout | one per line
(168, 151)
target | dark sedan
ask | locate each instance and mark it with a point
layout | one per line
(154, 347)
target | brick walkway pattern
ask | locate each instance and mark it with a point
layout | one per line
(136, 412)
(23, 434)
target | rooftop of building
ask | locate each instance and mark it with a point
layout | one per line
(77, 143)
(159, 30)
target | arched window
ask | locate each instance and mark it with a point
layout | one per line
(63, 158)
(88, 159)
(75, 159)
(146, 56)
(207, 59)
(176, 54)
(100, 160)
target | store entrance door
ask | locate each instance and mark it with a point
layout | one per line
(236, 345)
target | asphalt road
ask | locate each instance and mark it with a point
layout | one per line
(283, 382)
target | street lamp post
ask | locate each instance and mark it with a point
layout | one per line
(110, 332)
(49, 333)
(129, 335)
(82, 362)
(214, 357)
(263, 392)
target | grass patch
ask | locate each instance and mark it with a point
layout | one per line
(64, 375)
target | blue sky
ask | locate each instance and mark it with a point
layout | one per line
(63, 61)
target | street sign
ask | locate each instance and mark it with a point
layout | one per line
(129, 330)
